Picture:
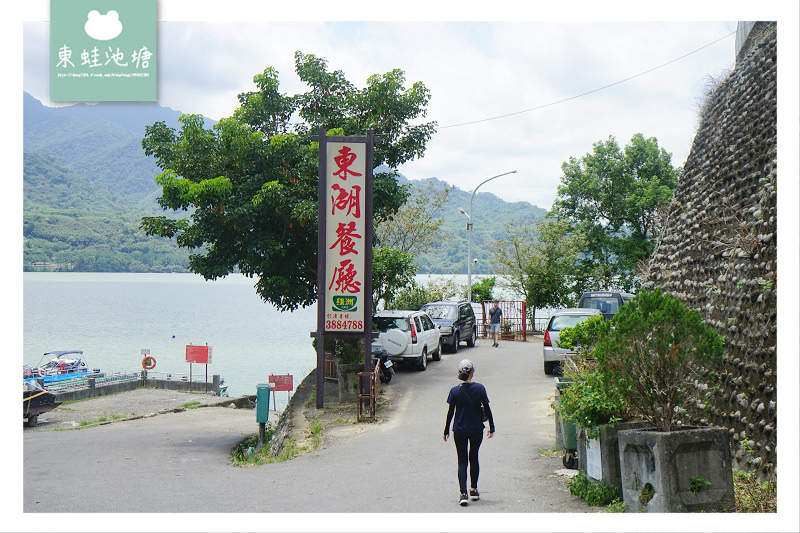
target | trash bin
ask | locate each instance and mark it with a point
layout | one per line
(262, 403)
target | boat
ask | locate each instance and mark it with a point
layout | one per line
(65, 365)
(35, 401)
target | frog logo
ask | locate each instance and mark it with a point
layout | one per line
(103, 27)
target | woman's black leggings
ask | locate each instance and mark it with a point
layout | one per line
(467, 446)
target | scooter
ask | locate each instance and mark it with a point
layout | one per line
(383, 363)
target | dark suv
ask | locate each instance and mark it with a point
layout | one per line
(608, 302)
(456, 321)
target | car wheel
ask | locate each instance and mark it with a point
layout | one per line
(423, 360)
(472, 338)
(454, 347)
(437, 355)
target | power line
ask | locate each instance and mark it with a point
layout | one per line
(588, 92)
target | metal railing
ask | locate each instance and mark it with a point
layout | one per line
(99, 381)
(171, 376)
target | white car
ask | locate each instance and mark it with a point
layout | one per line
(407, 336)
(552, 353)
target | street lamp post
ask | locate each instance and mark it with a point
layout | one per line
(469, 230)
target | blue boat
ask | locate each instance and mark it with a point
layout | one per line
(65, 365)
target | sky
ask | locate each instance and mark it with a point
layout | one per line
(520, 93)
(514, 86)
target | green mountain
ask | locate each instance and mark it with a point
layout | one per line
(87, 183)
(489, 214)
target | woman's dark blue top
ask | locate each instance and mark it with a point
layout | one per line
(467, 417)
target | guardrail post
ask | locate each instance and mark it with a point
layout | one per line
(215, 384)
(90, 381)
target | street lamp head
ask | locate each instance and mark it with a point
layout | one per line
(461, 210)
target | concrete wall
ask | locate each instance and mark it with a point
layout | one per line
(113, 388)
(718, 252)
(91, 392)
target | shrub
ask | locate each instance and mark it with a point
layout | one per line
(591, 400)
(592, 492)
(659, 354)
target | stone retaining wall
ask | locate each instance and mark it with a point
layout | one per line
(718, 252)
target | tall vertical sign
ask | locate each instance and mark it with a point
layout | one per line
(345, 230)
(344, 255)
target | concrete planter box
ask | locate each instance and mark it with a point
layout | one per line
(600, 457)
(657, 469)
(560, 382)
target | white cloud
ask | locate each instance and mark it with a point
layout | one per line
(531, 71)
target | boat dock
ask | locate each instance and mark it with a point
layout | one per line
(99, 385)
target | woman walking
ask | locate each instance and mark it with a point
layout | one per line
(465, 402)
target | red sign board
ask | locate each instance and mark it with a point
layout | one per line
(198, 354)
(281, 382)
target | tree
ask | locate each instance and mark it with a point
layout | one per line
(414, 295)
(538, 260)
(613, 197)
(391, 270)
(416, 227)
(250, 182)
(482, 289)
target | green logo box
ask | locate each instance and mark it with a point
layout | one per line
(345, 303)
(103, 50)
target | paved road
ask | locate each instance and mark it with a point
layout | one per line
(178, 462)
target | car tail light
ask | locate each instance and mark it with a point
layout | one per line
(413, 333)
(547, 338)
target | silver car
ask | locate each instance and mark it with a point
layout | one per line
(552, 353)
(407, 336)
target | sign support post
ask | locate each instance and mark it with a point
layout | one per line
(344, 245)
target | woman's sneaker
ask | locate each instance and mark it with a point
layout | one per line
(473, 494)
(463, 500)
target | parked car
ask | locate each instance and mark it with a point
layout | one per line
(552, 354)
(456, 321)
(407, 336)
(608, 302)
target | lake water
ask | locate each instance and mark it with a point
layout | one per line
(112, 317)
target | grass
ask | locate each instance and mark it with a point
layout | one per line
(102, 419)
(191, 405)
(247, 452)
(753, 496)
(550, 452)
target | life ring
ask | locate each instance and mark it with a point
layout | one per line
(149, 362)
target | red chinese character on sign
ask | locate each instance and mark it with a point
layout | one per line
(346, 233)
(344, 199)
(344, 161)
(344, 278)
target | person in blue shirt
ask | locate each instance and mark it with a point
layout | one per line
(465, 402)
(495, 314)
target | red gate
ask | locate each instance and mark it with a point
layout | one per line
(513, 322)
